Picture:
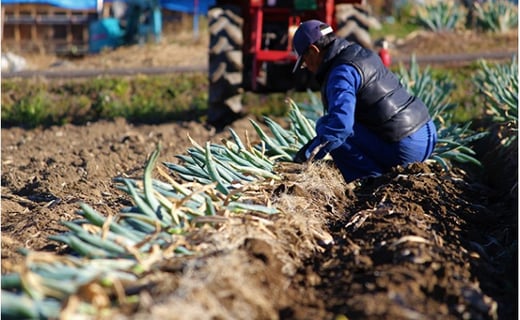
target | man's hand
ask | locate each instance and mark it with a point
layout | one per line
(300, 156)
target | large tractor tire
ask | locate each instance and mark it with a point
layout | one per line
(353, 23)
(225, 66)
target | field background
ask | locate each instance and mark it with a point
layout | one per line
(276, 267)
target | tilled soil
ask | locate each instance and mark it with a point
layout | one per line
(412, 248)
(418, 243)
(45, 172)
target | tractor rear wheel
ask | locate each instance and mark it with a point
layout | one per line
(225, 66)
(353, 23)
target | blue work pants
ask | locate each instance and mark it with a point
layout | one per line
(365, 154)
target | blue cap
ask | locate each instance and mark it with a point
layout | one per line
(308, 33)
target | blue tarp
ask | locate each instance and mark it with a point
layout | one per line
(67, 4)
(173, 5)
(187, 6)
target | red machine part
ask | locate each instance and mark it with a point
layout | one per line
(384, 54)
(259, 10)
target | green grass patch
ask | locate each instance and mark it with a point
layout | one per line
(397, 29)
(469, 104)
(143, 99)
(154, 99)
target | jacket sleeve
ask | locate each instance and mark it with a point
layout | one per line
(333, 128)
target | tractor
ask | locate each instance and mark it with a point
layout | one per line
(251, 47)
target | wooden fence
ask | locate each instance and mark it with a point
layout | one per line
(47, 29)
(44, 28)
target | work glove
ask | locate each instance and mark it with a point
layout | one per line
(300, 156)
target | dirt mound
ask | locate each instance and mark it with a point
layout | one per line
(412, 243)
(404, 246)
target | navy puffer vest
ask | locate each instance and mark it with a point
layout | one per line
(382, 105)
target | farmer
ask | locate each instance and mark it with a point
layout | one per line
(371, 123)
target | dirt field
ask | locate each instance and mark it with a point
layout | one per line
(417, 243)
